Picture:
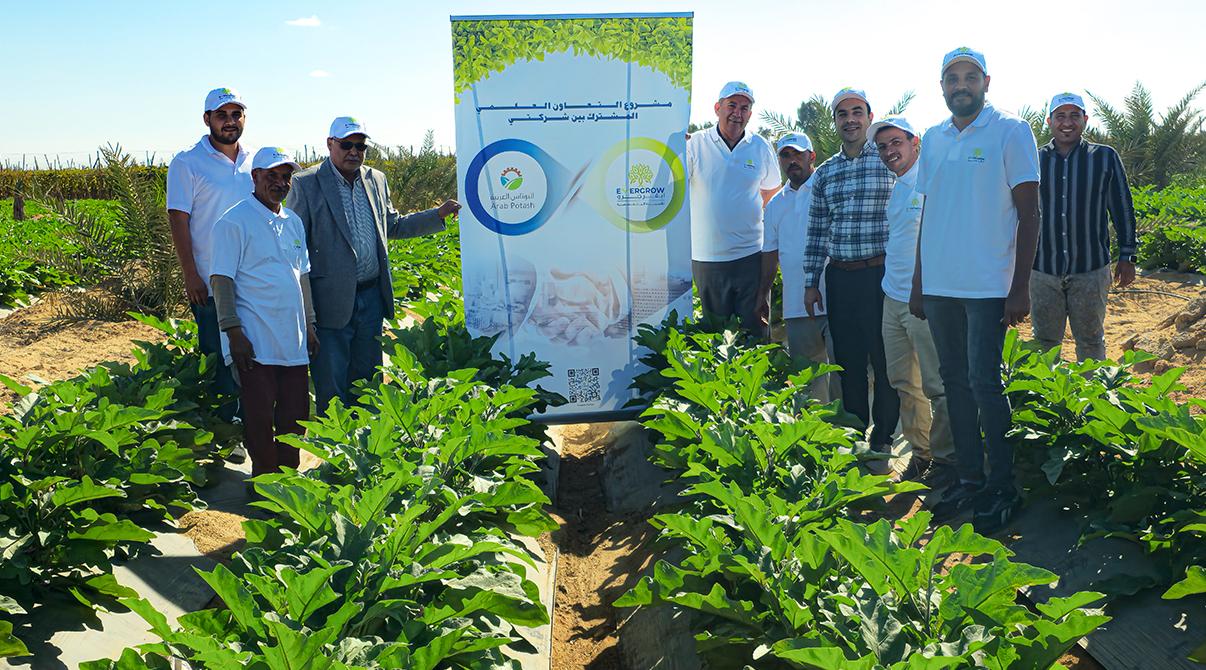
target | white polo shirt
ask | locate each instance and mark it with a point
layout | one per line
(969, 233)
(904, 220)
(726, 203)
(785, 229)
(265, 254)
(203, 183)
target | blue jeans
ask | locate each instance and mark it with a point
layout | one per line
(209, 340)
(351, 353)
(969, 337)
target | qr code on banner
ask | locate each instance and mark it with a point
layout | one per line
(583, 384)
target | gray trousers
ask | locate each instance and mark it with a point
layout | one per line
(730, 288)
(1078, 300)
(808, 336)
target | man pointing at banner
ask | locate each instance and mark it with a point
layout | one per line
(733, 174)
(348, 217)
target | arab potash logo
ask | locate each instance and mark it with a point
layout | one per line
(511, 178)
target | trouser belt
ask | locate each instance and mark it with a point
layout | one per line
(873, 262)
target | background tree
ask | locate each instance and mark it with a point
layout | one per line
(814, 119)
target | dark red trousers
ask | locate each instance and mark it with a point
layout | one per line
(274, 398)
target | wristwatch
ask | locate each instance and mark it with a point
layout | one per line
(1129, 258)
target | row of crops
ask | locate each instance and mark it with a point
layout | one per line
(789, 563)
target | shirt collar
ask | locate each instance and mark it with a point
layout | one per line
(255, 202)
(909, 178)
(1050, 146)
(981, 119)
(339, 175)
(745, 137)
(209, 147)
(868, 149)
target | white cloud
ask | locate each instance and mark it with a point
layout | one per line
(319, 74)
(305, 22)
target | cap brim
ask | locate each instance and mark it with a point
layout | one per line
(1052, 110)
(849, 96)
(793, 145)
(242, 105)
(964, 59)
(747, 96)
(354, 132)
(296, 165)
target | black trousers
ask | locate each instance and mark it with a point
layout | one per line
(730, 288)
(855, 302)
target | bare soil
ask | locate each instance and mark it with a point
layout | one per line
(600, 554)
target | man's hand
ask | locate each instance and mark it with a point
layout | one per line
(1017, 307)
(449, 208)
(241, 352)
(1124, 273)
(311, 340)
(813, 302)
(762, 309)
(916, 304)
(194, 288)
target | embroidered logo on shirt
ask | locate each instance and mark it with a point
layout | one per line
(749, 163)
(977, 156)
(915, 203)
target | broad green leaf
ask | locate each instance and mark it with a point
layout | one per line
(237, 598)
(9, 644)
(1193, 584)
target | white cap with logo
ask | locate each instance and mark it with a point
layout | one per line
(270, 157)
(736, 88)
(1066, 98)
(223, 96)
(965, 55)
(347, 125)
(846, 94)
(890, 122)
(797, 141)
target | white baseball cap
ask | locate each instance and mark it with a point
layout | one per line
(270, 157)
(797, 141)
(893, 122)
(965, 55)
(347, 125)
(223, 96)
(736, 88)
(1066, 98)
(846, 94)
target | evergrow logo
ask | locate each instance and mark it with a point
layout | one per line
(640, 174)
(511, 178)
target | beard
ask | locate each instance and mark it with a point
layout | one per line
(966, 106)
(225, 136)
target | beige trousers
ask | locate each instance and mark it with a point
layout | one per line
(913, 372)
(808, 336)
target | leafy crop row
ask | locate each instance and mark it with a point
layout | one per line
(87, 463)
(399, 550)
(783, 570)
(1121, 454)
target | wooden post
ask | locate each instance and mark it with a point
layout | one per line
(19, 202)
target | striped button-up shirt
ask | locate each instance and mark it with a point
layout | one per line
(361, 225)
(848, 219)
(1080, 194)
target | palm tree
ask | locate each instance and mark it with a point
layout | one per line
(813, 118)
(1154, 150)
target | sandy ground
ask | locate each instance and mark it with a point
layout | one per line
(600, 554)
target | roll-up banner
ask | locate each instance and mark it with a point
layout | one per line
(571, 165)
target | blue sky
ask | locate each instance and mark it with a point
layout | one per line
(81, 74)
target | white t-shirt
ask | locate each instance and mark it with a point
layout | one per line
(265, 254)
(726, 202)
(969, 234)
(203, 183)
(904, 220)
(785, 229)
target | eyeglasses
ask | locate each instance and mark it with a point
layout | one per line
(347, 146)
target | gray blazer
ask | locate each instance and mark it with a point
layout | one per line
(315, 198)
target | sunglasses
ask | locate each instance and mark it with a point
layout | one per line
(348, 146)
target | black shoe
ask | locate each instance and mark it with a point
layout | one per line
(938, 476)
(237, 455)
(995, 508)
(917, 465)
(957, 501)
